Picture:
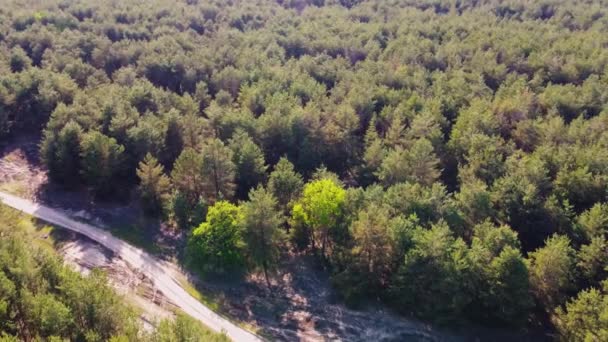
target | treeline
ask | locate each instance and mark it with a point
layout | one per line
(448, 157)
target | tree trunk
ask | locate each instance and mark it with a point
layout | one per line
(312, 241)
(265, 267)
(323, 241)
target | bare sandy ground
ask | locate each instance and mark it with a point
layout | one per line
(84, 255)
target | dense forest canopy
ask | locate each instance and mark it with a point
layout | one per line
(447, 157)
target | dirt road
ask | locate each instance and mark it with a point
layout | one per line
(159, 271)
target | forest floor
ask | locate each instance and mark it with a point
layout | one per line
(301, 304)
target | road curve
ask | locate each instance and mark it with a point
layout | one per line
(149, 265)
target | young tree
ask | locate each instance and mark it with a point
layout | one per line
(374, 247)
(508, 298)
(417, 164)
(249, 161)
(262, 221)
(320, 210)
(217, 244)
(585, 318)
(592, 261)
(594, 221)
(187, 179)
(218, 171)
(551, 270)
(102, 159)
(154, 185)
(431, 281)
(184, 328)
(285, 184)
(187, 174)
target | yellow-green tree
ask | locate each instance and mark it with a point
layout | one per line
(320, 211)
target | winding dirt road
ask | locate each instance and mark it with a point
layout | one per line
(153, 268)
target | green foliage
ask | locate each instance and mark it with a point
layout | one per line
(416, 164)
(431, 280)
(261, 222)
(475, 116)
(285, 184)
(187, 175)
(101, 162)
(218, 171)
(320, 210)
(372, 257)
(585, 318)
(249, 163)
(551, 269)
(42, 298)
(594, 222)
(154, 185)
(217, 244)
(61, 154)
(592, 261)
(185, 328)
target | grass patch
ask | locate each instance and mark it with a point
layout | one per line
(15, 187)
(211, 302)
(41, 234)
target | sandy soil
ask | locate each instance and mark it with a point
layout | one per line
(301, 305)
(84, 255)
(19, 168)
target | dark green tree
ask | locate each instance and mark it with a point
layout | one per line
(261, 222)
(285, 184)
(218, 171)
(102, 159)
(249, 163)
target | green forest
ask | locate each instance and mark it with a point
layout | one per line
(448, 158)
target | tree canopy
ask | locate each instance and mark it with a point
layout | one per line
(439, 156)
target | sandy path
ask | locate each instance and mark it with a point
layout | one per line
(159, 271)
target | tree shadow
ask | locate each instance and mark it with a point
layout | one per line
(28, 144)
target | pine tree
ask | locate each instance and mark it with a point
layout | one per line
(102, 161)
(154, 185)
(249, 161)
(285, 184)
(187, 175)
(262, 221)
(218, 171)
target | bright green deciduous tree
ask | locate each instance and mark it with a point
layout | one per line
(217, 244)
(320, 210)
